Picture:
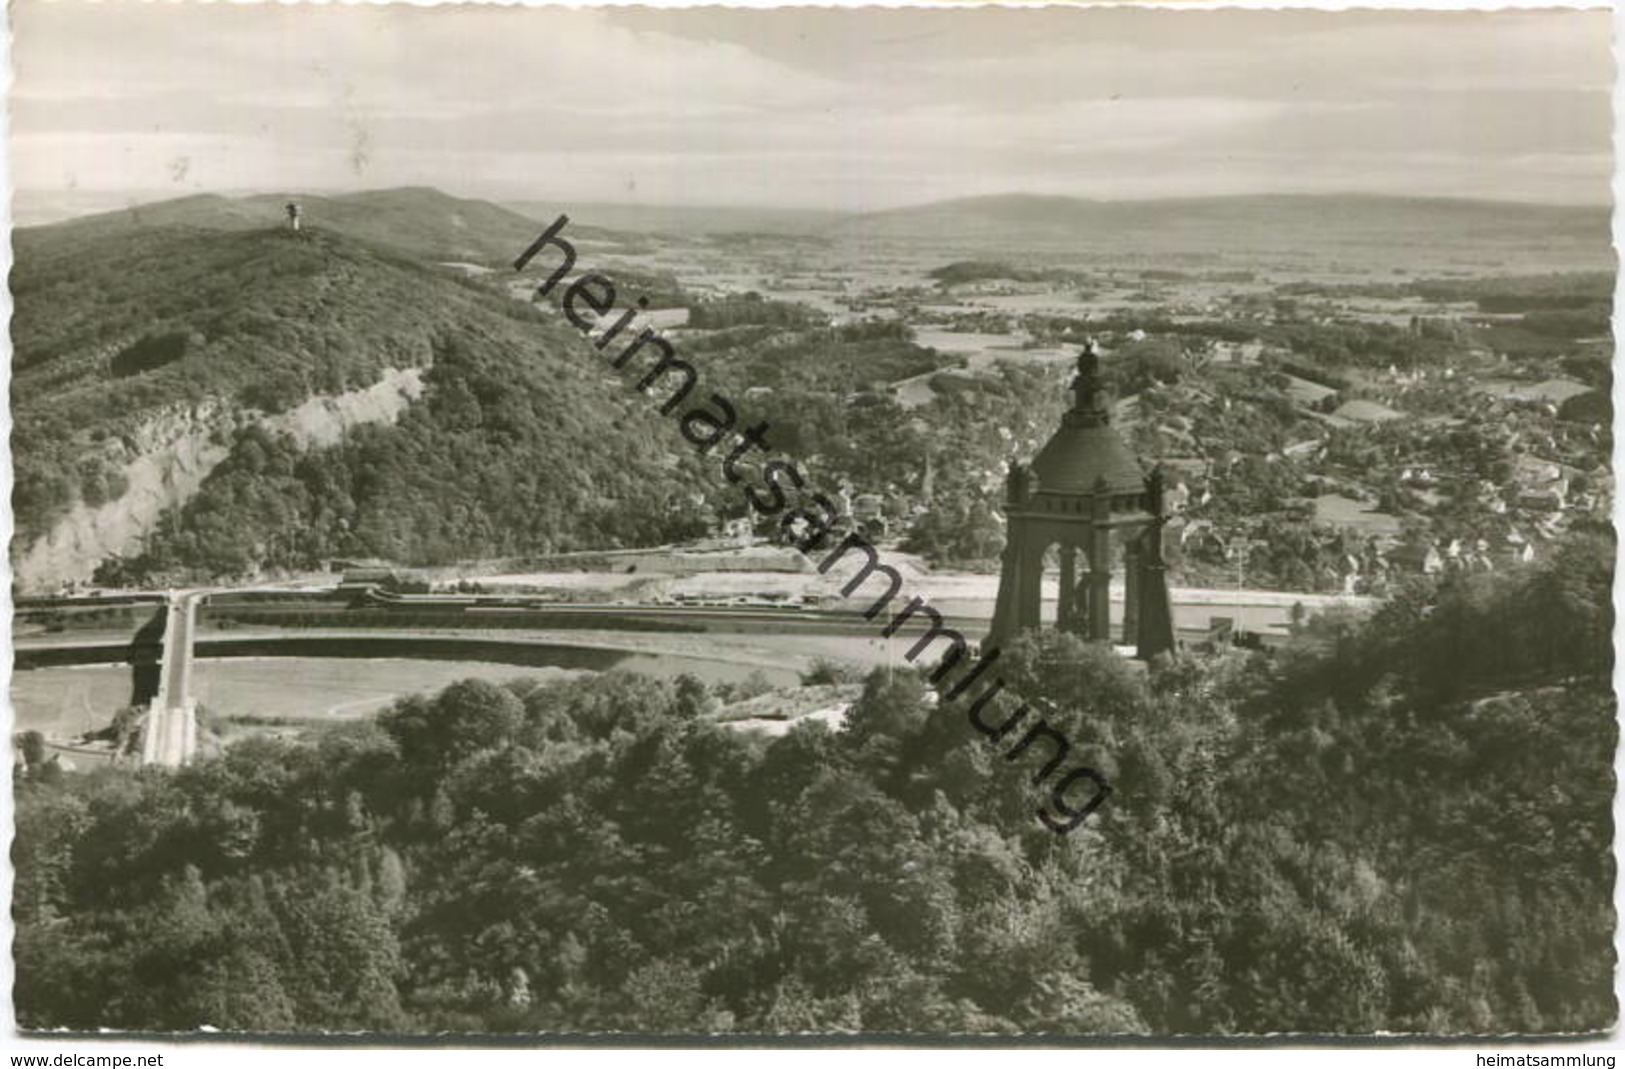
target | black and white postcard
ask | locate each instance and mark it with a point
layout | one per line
(811, 524)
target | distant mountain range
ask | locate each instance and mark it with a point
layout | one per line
(685, 219)
(1400, 227)
(1478, 234)
(1021, 210)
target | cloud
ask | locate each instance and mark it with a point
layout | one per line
(847, 108)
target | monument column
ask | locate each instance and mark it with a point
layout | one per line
(1156, 610)
(1131, 590)
(1030, 584)
(1007, 611)
(1066, 610)
(1082, 599)
(1004, 609)
(1100, 564)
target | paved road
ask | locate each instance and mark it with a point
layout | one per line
(171, 736)
(1266, 611)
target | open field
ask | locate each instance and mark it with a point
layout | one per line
(63, 702)
(336, 689)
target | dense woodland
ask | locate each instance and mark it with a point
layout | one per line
(745, 309)
(1344, 836)
(966, 271)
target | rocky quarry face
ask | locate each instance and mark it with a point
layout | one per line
(174, 453)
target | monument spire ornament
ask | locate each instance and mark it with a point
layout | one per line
(1090, 405)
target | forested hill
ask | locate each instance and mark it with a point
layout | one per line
(422, 223)
(125, 344)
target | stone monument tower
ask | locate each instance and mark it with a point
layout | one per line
(293, 216)
(1086, 494)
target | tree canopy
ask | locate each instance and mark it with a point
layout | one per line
(1398, 824)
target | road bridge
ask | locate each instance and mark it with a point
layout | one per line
(170, 738)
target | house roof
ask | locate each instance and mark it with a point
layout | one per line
(1362, 411)
(1551, 390)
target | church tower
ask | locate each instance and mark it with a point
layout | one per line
(1086, 495)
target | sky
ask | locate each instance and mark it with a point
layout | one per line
(856, 109)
